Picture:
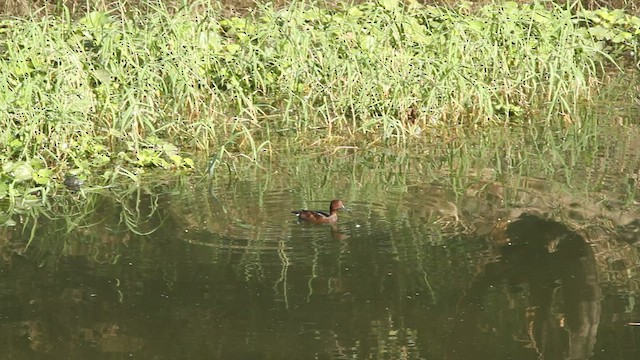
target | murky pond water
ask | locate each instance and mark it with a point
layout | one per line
(437, 257)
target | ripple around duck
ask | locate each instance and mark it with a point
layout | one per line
(256, 219)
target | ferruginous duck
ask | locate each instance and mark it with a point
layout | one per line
(321, 217)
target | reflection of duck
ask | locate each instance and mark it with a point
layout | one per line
(321, 217)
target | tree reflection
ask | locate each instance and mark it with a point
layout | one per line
(559, 268)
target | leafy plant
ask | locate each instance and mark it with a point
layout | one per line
(616, 30)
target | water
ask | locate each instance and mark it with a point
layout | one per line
(433, 261)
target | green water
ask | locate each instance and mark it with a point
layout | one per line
(433, 260)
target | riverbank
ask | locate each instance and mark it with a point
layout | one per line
(113, 94)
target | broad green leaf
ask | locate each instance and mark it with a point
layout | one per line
(22, 172)
(170, 149)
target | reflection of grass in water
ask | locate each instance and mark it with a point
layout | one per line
(97, 223)
(368, 175)
(373, 176)
(434, 193)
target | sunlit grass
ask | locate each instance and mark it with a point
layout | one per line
(119, 91)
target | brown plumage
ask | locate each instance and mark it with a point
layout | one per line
(321, 217)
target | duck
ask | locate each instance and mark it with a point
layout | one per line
(321, 217)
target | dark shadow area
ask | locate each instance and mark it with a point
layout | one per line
(558, 268)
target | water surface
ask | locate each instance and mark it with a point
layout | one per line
(440, 256)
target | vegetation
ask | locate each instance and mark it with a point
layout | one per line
(437, 125)
(113, 93)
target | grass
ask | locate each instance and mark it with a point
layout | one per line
(116, 92)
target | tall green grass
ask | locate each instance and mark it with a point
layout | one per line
(116, 92)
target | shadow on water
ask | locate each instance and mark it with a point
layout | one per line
(564, 298)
